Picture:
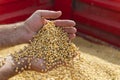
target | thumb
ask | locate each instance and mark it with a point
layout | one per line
(38, 65)
(37, 19)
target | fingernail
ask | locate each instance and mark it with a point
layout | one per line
(58, 11)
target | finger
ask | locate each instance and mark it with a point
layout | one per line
(72, 36)
(37, 19)
(47, 14)
(64, 23)
(70, 29)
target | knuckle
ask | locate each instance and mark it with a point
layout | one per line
(37, 11)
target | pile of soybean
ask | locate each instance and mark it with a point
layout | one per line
(96, 62)
(51, 44)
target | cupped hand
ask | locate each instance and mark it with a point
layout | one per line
(36, 21)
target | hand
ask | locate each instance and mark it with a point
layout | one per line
(35, 22)
(40, 66)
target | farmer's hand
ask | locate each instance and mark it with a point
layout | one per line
(37, 20)
(40, 66)
(22, 32)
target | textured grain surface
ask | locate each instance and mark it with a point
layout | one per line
(51, 44)
(96, 62)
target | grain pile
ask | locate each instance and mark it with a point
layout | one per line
(51, 44)
(96, 62)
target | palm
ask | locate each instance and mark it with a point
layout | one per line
(35, 22)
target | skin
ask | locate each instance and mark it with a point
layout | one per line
(22, 32)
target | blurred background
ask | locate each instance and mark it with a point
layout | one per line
(97, 20)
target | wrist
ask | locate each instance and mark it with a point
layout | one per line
(28, 32)
(20, 65)
(7, 70)
(24, 33)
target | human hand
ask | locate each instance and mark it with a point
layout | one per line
(38, 19)
(40, 66)
(35, 22)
